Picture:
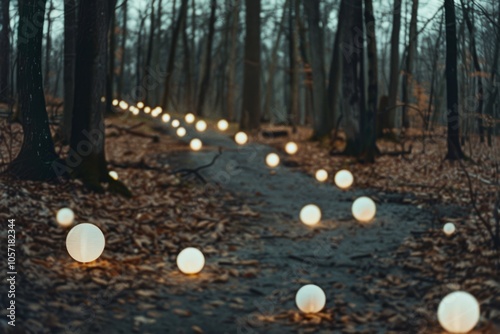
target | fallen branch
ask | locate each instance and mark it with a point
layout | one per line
(187, 171)
(130, 130)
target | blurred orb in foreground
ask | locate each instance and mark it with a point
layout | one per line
(196, 144)
(181, 132)
(241, 138)
(310, 298)
(321, 175)
(343, 179)
(140, 105)
(310, 214)
(272, 160)
(190, 260)
(223, 125)
(113, 174)
(176, 123)
(189, 118)
(123, 105)
(147, 110)
(85, 242)
(115, 102)
(65, 217)
(165, 118)
(291, 148)
(449, 228)
(364, 209)
(458, 312)
(201, 126)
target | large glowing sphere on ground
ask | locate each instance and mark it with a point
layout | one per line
(310, 214)
(321, 175)
(189, 118)
(165, 118)
(113, 174)
(65, 217)
(364, 209)
(449, 228)
(223, 125)
(291, 148)
(140, 105)
(196, 144)
(310, 298)
(201, 126)
(181, 132)
(85, 242)
(241, 138)
(115, 102)
(190, 260)
(176, 123)
(272, 160)
(343, 179)
(458, 312)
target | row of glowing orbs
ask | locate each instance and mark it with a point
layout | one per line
(85, 243)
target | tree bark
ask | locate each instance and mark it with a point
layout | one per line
(408, 77)
(250, 119)
(37, 155)
(231, 67)
(5, 53)
(69, 66)
(110, 77)
(123, 51)
(149, 55)
(453, 137)
(48, 49)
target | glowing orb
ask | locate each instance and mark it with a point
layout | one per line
(103, 99)
(291, 148)
(310, 214)
(272, 160)
(65, 217)
(113, 174)
(85, 242)
(458, 312)
(222, 125)
(189, 118)
(140, 105)
(241, 138)
(196, 144)
(343, 179)
(181, 132)
(115, 102)
(364, 209)
(165, 118)
(176, 123)
(123, 105)
(201, 126)
(190, 260)
(449, 228)
(310, 298)
(321, 175)
(147, 110)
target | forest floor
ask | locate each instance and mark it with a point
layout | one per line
(384, 277)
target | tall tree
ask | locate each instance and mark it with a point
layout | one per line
(48, 47)
(322, 123)
(5, 53)
(123, 50)
(410, 58)
(110, 76)
(205, 79)
(454, 148)
(69, 65)
(231, 67)
(34, 161)
(250, 118)
(149, 55)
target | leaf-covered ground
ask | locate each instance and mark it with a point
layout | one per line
(385, 277)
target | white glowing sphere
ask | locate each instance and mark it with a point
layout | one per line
(134, 111)
(241, 138)
(449, 228)
(147, 110)
(196, 144)
(113, 174)
(291, 148)
(140, 105)
(165, 118)
(343, 179)
(321, 175)
(115, 102)
(222, 125)
(85, 242)
(123, 105)
(364, 209)
(65, 217)
(310, 214)
(189, 118)
(176, 123)
(103, 99)
(310, 298)
(201, 126)
(458, 312)
(272, 160)
(181, 132)
(190, 260)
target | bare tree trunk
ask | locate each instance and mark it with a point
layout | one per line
(138, 65)
(408, 77)
(453, 141)
(250, 119)
(37, 155)
(69, 66)
(123, 50)
(208, 60)
(5, 53)
(231, 67)
(149, 55)
(188, 94)
(111, 65)
(48, 49)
